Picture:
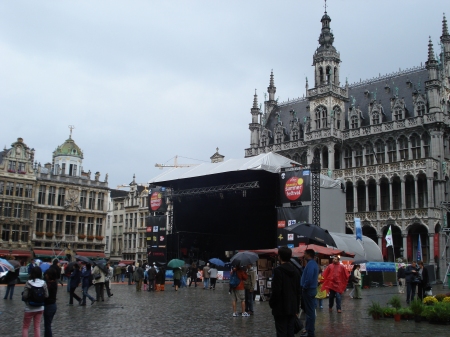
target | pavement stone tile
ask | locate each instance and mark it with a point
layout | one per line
(195, 312)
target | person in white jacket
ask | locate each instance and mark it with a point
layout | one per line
(32, 310)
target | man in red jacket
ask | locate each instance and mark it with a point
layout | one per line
(336, 279)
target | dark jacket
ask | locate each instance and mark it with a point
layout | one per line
(138, 274)
(161, 276)
(86, 278)
(75, 278)
(425, 277)
(285, 299)
(401, 272)
(193, 272)
(56, 269)
(52, 291)
(410, 276)
(151, 273)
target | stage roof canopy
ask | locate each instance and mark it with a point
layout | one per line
(270, 162)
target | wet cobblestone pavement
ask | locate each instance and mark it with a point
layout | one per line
(197, 312)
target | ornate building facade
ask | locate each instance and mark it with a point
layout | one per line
(387, 138)
(69, 207)
(17, 184)
(129, 210)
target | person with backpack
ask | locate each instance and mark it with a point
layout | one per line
(34, 294)
(50, 302)
(86, 283)
(237, 278)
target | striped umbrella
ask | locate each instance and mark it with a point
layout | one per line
(5, 266)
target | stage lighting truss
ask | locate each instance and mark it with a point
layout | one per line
(217, 189)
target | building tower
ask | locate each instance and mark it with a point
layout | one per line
(254, 125)
(68, 158)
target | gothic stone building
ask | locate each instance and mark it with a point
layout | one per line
(70, 207)
(387, 138)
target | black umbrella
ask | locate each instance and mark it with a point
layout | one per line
(84, 259)
(308, 233)
(244, 258)
(101, 265)
(296, 264)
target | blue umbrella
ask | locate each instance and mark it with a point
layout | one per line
(44, 266)
(217, 262)
(5, 266)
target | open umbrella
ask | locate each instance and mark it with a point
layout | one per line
(217, 262)
(5, 266)
(102, 265)
(44, 266)
(244, 258)
(175, 263)
(14, 263)
(308, 233)
(296, 264)
(84, 259)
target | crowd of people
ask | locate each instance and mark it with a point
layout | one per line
(293, 288)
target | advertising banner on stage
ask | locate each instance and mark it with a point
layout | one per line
(156, 239)
(157, 199)
(295, 185)
(288, 216)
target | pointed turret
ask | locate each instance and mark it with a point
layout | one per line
(432, 86)
(254, 125)
(445, 42)
(271, 89)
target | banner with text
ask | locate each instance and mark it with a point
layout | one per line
(157, 199)
(156, 239)
(295, 186)
(288, 216)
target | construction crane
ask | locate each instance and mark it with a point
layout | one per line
(175, 164)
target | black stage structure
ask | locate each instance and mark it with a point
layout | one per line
(217, 213)
(233, 210)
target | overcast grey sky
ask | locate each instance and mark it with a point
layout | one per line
(143, 81)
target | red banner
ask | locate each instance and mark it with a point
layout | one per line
(384, 248)
(436, 245)
(409, 246)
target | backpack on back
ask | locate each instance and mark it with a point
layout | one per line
(36, 296)
(234, 280)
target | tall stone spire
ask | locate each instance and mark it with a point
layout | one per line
(430, 50)
(326, 37)
(444, 27)
(255, 101)
(271, 89)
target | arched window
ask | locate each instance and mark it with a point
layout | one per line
(304, 159)
(321, 117)
(354, 122)
(296, 157)
(321, 75)
(295, 134)
(369, 154)
(379, 148)
(426, 145)
(348, 157)
(336, 81)
(337, 117)
(358, 156)
(420, 109)
(392, 150)
(403, 147)
(328, 75)
(375, 118)
(398, 113)
(415, 146)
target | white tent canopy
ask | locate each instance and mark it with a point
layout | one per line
(365, 250)
(270, 162)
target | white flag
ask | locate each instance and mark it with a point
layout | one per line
(389, 238)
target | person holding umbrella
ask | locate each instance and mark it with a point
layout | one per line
(238, 293)
(99, 282)
(86, 282)
(11, 279)
(177, 277)
(75, 279)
